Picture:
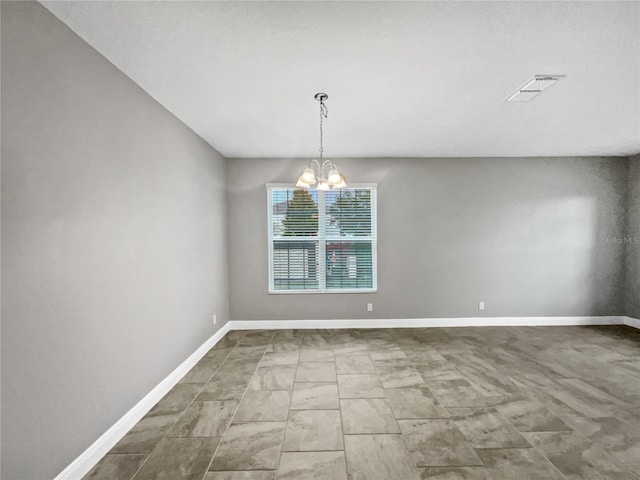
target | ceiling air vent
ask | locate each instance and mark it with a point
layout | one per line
(533, 87)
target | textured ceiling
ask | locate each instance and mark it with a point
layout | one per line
(403, 78)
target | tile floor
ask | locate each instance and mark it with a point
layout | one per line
(519, 403)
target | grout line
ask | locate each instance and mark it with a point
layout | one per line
(587, 439)
(513, 426)
(187, 407)
(344, 443)
(550, 462)
(239, 403)
(404, 439)
(286, 423)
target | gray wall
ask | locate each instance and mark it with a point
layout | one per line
(632, 261)
(114, 254)
(529, 236)
(114, 241)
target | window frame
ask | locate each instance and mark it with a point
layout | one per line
(322, 240)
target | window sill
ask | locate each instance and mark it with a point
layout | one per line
(322, 292)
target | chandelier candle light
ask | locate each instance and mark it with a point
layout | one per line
(321, 174)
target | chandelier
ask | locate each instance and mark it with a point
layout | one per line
(321, 174)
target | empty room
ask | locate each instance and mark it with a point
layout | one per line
(320, 240)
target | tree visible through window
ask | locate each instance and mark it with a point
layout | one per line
(322, 241)
(351, 211)
(301, 217)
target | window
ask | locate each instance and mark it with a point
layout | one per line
(322, 241)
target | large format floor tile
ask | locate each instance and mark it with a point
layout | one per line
(423, 354)
(313, 431)
(242, 363)
(312, 466)
(249, 475)
(315, 396)
(457, 392)
(316, 372)
(563, 401)
(389, 357)
(205, 419)
(399, 377)
(250, 446)
(146, 434)
(529, 415)
(370, 415)
(273, 378)
(484, 403)
(354, 364)
(308, 355)
(436, 442)
(256, 338)
(438, 369)
(264, 406)
(619, 437)
(577, 458)
(634, 467)
(486, 428)
(179, 459)
(454, 473)
(355, 347)
(203, 371)
(178, 398)
(225, 386)
(516, 463)
(362, 385)
(287, 358)
(415, 403)
(378, 457)
(116, 467)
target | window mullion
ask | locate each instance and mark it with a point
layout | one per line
(322, 244)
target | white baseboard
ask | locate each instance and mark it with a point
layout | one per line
(631, 322)
(425, 322)
(92, 455)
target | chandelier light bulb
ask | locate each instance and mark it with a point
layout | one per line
(301, 183)
(308, 176)
(323, 185)
(341, 184)
(334, 177)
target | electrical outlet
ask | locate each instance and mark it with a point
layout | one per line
(215, 319)
(369, 307)
(480, 305)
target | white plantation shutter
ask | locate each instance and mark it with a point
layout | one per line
(322, 241)
(350, 238)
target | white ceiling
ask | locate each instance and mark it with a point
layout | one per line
(420, 79)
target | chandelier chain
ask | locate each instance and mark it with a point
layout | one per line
(323, 114)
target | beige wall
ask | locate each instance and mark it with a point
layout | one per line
(114, 255)
(529, 236)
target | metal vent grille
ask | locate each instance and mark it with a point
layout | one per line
(533, 87)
